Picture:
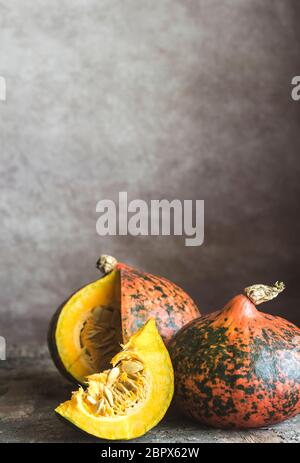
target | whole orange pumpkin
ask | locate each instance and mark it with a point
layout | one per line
(238, 368)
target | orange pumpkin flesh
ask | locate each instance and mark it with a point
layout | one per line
(238, 368)
(87, 330)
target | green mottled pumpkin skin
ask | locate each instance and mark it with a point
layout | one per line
(145, 296)
(237, 368)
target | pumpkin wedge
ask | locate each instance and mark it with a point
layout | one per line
(124, 402)
(88, 328)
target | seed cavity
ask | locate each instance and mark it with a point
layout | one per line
(117, 391)
(101, 336)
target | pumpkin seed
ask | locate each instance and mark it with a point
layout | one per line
(97, 312)
(132, 366)
(108, 395)
(93, 333)
(101, 388)
(112, 376)
(91, 400)
(101, 405)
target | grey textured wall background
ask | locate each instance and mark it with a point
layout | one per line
(185, 99)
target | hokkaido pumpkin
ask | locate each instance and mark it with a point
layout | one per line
(238, 368)
(88, 328)
(127, 400)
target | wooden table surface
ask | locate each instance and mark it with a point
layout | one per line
(31, 387)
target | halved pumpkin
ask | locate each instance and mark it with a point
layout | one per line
(87, 329)
(132, 397)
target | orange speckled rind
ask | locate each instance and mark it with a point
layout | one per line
(237, 368)
(145, 296)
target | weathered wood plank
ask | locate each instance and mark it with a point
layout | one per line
(30, 389)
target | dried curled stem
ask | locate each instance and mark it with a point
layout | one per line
(106, 263)
(262, 293)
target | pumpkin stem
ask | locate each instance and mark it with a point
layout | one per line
(262, 293)
(106, 263)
